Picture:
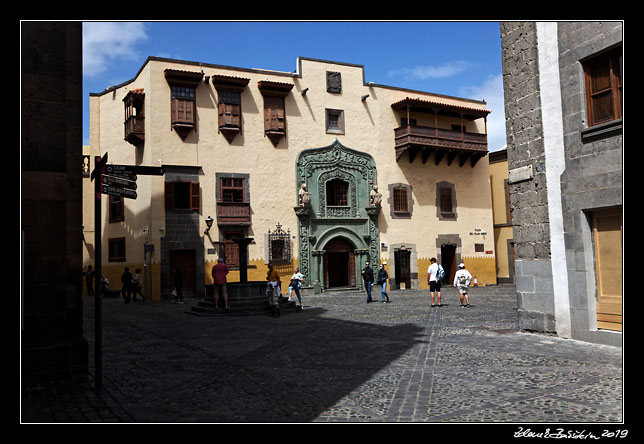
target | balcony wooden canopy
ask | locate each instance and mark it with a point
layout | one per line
(416, 139)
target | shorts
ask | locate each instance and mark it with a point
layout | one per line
(434, 285)
(462, 289)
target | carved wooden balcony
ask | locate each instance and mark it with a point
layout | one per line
(233, 213)
(135, 130)
(452, 144)
(427, 140)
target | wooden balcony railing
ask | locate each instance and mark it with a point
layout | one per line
(233, 213)
(135, 130)
(425, 139)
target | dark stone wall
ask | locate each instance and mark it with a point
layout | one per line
(51, 213)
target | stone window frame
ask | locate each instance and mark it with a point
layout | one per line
(441, 215)
(390, 201)
(340, 115)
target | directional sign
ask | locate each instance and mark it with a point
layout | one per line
(134, 169)
(119, 192)
(119, 182)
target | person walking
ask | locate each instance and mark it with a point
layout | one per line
(219, 272)
(367, 277)
(89, 280)
(126, 285)
(137, 285)
(295, 285)
(462, 280)
(434, 275)
(178, 286)
(382, 282)
(273, 278)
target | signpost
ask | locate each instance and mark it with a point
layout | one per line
(120, 181)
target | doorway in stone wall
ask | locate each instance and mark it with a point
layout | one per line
(448, 261)
(339, 263)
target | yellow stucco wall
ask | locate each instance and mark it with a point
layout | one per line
(369, 126)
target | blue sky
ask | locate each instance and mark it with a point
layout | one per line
(460, 59)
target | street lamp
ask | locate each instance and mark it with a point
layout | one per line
(209, 221)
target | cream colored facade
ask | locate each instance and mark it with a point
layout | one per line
(368, 121)
(503, 236)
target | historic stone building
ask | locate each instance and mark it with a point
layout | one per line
(563, 94)
(322, 169)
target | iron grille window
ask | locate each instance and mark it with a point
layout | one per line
(279, 245)
(337, 193)
(445, 194)
(400, 200)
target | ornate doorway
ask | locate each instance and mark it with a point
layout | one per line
(337, 221)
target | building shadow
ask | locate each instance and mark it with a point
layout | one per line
(173, 367)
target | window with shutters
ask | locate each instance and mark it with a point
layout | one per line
(233, 199)
(274, 112)
(183, 96)
(274, 94)
(181, 195)
(229, 113)
(603, 78)
(231, 248)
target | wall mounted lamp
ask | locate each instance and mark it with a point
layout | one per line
(209, 221)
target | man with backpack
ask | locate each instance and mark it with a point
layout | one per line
(435, 273)
(462, 280)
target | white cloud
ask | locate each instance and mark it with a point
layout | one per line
(431, 72)
(107, 42)
(492, 92)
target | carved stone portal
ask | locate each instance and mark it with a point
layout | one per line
(352, 219)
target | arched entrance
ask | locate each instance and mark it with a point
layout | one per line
(339, 263)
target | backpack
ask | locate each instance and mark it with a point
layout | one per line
(440, 274)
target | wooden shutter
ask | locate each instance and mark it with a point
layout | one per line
(194, 195)
(274, 113)
(169, 195)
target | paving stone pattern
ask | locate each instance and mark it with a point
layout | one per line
(339, 360)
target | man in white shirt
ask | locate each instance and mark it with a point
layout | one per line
(433, 281)
(462, 280)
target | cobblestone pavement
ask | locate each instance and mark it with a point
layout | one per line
(339, 360)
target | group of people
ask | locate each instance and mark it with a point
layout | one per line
(131, 285)
(435, 274)
(274, 289)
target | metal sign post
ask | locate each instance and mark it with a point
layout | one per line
(120, 181)
(97, 174)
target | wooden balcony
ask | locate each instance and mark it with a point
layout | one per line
(233, 213)
(135, 130)
(452, 144)
(426, 140)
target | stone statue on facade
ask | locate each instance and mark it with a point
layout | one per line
(305, 196)
(375, 198)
